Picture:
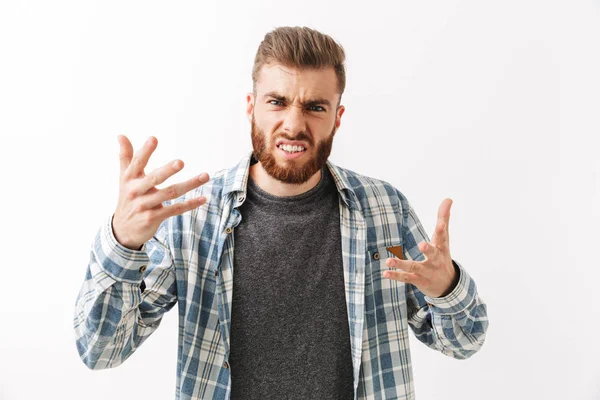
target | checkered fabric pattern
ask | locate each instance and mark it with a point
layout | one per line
(189, 262)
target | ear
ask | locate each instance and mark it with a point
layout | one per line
(249, 106)
(338, 116)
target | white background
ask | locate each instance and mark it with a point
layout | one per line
(493, 104)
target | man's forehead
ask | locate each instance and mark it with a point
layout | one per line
(305, 82)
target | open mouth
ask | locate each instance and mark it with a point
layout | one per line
(291, 152)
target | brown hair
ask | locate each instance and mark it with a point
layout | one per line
(300, 47)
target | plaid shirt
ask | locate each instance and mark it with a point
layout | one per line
(189, 261)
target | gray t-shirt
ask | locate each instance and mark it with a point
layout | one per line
(290, 337)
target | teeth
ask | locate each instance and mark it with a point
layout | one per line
(290, 148)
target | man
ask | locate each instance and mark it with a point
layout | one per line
(295, 278)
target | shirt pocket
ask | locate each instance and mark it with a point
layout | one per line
(383, 296)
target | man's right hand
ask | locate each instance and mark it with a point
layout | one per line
(139, 210)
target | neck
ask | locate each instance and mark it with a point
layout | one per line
(277, 188)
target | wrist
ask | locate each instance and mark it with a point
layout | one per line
(454, 281)
(123, 241)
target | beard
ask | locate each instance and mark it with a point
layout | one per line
(294, 171)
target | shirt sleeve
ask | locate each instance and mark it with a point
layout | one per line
(123, 298)
(455, 324)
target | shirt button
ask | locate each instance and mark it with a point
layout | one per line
(228, 230)
(226, 364)
(142, 268)
(376, 256)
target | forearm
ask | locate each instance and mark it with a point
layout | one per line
(455, 324)
(112, 316)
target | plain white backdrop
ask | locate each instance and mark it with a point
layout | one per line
(493, 104)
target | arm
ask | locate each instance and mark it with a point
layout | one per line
(454, 324)
(123, 298)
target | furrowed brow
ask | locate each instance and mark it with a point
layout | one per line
(311, 102)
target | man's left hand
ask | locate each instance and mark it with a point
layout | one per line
(435, 276)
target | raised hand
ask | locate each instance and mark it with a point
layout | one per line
(435, 276)
(140, 210)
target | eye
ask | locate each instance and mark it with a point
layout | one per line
(276, 101)
(319, 108)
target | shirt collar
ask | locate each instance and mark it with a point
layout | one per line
(236, 181)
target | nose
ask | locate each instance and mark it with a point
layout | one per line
(294, 120)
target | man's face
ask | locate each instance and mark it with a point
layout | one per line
(295, 106)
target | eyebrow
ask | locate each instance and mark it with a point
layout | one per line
(310, 102)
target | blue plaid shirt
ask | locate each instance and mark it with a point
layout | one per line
(190, 262)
